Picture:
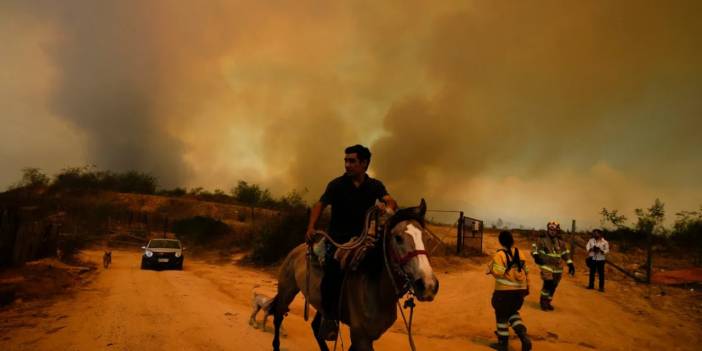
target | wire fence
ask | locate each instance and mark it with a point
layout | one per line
(457, 233)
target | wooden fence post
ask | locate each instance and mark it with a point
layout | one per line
(572, 240)
(459, 233)
(649, 257)
(482, 233)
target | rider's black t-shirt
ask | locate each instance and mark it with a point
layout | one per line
(349, 204)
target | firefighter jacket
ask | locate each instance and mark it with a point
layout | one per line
(509, 275)
(548, 252)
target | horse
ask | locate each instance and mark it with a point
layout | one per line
(398, 263)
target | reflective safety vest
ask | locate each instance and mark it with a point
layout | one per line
(508, 275)
(551, 250)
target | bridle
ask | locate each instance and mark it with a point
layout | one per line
(397, 269)
(405, 259)
(407, 283)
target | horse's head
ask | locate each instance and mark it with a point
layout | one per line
(406, 250)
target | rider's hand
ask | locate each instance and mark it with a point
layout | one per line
(384, 209)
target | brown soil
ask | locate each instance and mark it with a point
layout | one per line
(44, 279)
(207, 306)
(679, 276)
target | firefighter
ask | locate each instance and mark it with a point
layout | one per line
(548, 252)
(511, 286)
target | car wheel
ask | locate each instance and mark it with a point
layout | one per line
(180, 266)
(143, 264)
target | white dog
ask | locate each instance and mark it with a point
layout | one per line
(260, 302)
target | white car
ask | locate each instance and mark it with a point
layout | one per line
(162, 253)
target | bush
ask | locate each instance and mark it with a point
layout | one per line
(32, 178)
(175, 192)
(687, 233)
(626, 238)
(86, 178)
(69, 246)
(200, 230)
(279, 236)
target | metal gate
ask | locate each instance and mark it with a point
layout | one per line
(464, 233)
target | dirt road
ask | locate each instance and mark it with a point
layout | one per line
(207, 305)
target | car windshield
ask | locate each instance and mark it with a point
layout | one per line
(164, 244)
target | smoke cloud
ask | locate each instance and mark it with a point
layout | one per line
(502, 109)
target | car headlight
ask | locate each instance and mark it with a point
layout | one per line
(148, 253)
(178, 253)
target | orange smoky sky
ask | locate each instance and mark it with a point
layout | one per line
(524, 111)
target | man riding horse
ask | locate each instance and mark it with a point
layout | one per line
(350, 196)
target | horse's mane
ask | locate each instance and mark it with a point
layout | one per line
(406, 214)
(374, 257)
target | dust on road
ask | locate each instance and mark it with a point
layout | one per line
(206, 307)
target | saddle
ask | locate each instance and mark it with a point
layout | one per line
(348, 259)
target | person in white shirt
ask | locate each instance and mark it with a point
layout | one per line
(597, 250)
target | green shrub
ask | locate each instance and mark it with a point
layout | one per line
(87, 178)
(278, 236)
(175, 192)
(200, 230)
(687, 233)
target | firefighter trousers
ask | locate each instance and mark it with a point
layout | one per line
(550, 285)
(507, 304)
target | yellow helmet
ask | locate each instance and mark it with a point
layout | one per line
(553, 225)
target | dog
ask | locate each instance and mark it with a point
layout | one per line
(260, 302)
(107, 259)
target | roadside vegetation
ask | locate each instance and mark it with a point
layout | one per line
(684, 236)
(47, 216)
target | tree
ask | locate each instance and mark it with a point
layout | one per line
(612, 217)
(687, 220)
(293, 200)
(651, 219)
(251, 195)
(32, 177)
(687, 232)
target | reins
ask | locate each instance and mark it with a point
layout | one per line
(358, 241)
(398, 293)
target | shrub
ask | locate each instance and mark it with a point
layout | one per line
(32, 178)
(69, 246)
(86, 178)
(200, 230)
(278, 236)
(175, 192)
(294, 200)
(687, 233)
(626, 238)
